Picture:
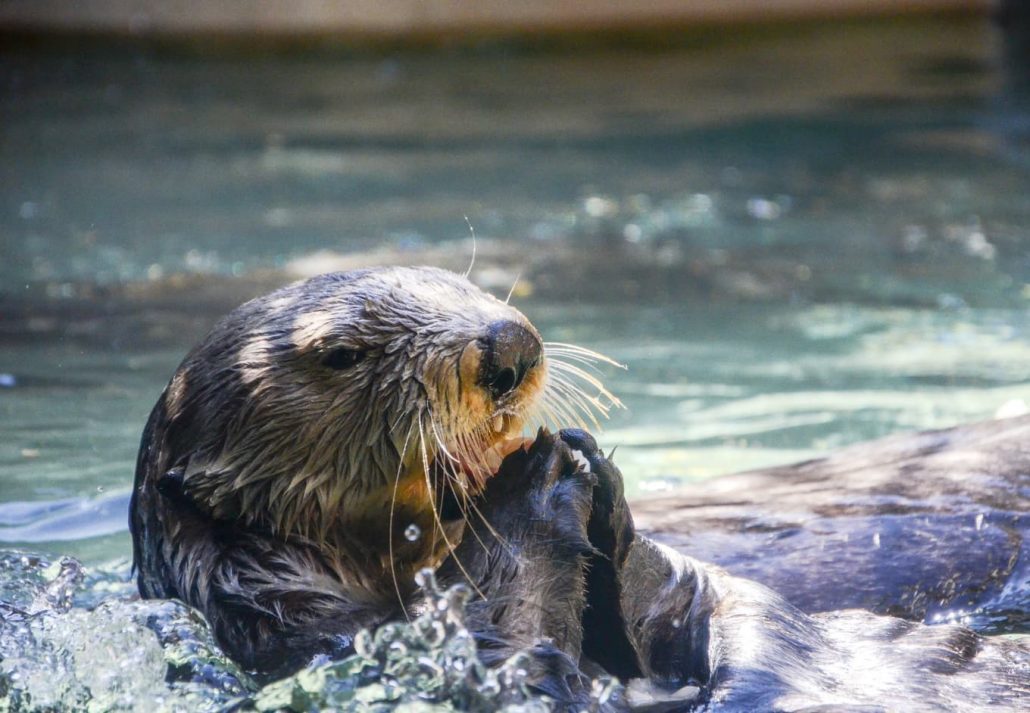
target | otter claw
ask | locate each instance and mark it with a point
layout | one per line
(581, 461)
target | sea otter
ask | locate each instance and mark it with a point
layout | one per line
(327, 440)
(297, 449)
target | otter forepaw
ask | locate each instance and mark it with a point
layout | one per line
(544, 494)
(611, 528)
(527, 547)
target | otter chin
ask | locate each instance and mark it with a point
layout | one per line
(312, 428)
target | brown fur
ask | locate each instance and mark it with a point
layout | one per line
(270, 484)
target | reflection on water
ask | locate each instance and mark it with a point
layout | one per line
(790, 248)
(715, 389)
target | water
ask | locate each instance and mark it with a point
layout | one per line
(795, 239)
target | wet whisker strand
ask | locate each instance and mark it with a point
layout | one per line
(582, 352)
(604, 400)
(564, 399)
(469, 449)
(586, 376)
(393, 508)
(436, 514)
(580, 400)
(575, 406)
(565, 415)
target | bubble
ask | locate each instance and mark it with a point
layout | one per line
(602, 689)
(412, 532)
(363, 644)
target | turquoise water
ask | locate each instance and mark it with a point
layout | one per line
(794, 242)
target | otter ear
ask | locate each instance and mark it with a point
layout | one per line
(172, 487)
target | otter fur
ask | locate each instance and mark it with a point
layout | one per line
(300, 442)
(292, 448)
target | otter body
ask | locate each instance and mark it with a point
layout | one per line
(327, 440)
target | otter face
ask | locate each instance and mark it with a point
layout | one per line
(325, 392)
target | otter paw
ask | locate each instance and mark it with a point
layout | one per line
(611, 528)
(543, 494)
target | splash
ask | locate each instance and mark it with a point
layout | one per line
(77, 639)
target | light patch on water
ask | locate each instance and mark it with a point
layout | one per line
(650, 467)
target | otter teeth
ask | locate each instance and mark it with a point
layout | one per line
(493, 460)
(493, 456)
(498, 423)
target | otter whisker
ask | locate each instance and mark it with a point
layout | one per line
(393, 507)
(544, 411)
(441, 446)
(436, 514)
(570, 402)
(565, 397)
(587, 377)
(563, 415)
(546, 415)
(468, 451)
(581, 352)
(464, 503)
(473, 232)
(562, 356)
(581, 410)
(470, 503)
(560, 406)
(512, 290)
(501, 540)
(563, 375)
(561, 380)
(577, 400)
(425, 470)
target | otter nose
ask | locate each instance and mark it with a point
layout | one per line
(510, 351)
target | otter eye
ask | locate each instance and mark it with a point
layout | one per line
(342, 358)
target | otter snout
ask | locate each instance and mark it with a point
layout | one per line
(510, 352)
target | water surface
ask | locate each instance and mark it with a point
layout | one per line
(795, 241)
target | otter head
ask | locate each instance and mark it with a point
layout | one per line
(330, 400)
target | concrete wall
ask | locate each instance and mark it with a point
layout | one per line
(419, 17)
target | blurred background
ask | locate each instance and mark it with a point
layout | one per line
(799, 224)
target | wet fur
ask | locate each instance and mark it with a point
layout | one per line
(549, 546)
(272, 492)
(675, 621)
